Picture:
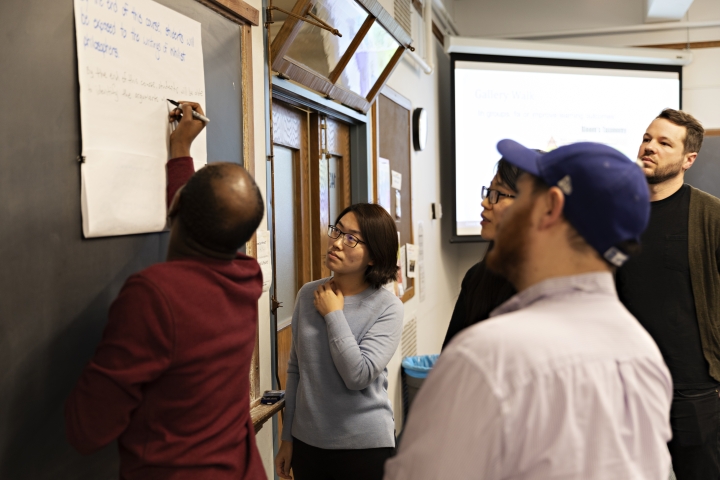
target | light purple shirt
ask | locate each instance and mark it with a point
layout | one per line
(562, 383)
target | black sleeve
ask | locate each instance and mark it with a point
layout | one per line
(458, 321)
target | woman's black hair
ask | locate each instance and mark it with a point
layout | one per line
(379, 233)
(487, 290)
(482, 289)
(508, 174)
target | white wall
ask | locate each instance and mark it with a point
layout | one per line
(507, 18)
(487, 18)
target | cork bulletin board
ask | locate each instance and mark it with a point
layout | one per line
(392, 140)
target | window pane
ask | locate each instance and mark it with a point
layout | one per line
(319, 49)
(285, 245)
(279, 17)
(335, 196)
(369, 61)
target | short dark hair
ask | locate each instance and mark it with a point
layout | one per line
(694, 130)
(379, 233)
(206, 219)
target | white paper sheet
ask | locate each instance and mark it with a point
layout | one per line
(383, 183)
(396, 180)
(132, 56)
(403, 269)
(411, 260)
(421, 260)
(264, 258)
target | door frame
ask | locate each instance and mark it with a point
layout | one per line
(361, 171)
(361, 163)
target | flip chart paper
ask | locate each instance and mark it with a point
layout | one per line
(132, 56)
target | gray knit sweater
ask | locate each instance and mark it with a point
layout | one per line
(336, 394)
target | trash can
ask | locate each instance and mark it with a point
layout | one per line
(415, 370)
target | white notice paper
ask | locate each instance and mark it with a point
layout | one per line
(383, 183)
(264, 258)
(396, 180)
(132, 56)
(403, 262)
(421, 260)
(411, 255)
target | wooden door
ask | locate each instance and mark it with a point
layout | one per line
(291, 220)
(311, 185)
(330, 181)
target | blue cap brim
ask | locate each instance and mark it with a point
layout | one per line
(523, 158)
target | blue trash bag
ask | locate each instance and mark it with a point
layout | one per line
(419, 366)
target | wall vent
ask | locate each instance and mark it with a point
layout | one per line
(408, 342)
(402, 14)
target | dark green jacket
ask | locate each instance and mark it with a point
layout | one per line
(704, 256)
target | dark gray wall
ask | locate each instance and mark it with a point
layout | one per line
(705, 173)
(55, 286)
(447, 139)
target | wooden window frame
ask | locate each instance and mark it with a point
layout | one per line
(327, 86)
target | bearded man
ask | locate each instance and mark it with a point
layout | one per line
(561, 382)
(673, 288)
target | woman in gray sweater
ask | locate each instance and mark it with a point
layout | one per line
(338, 421)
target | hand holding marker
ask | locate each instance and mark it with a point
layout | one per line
(194, 113)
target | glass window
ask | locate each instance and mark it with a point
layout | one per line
(319, 49)
(335, 193)
(279, 17)
(369, 61)
(285, 245)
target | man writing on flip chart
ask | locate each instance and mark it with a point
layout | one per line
(170, 378)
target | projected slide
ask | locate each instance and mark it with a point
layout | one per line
(545, 107)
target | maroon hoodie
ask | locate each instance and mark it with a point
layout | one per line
(170, 378)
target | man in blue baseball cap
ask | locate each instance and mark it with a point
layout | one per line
(561, 382)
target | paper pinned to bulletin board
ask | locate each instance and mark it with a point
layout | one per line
(132, 56)
(411, 256)
(383, 183)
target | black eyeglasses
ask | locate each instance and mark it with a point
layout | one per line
(493, 195)
(348, 238)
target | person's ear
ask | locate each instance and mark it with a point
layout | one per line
(689, 160)
(175, 204)
(552, 203)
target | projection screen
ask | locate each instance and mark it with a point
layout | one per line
(544, 104)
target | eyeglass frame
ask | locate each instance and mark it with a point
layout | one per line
(486, 193)
(344, 235)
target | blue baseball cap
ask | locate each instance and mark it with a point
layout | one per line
(607, 199)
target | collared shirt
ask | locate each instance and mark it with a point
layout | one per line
(561, 383)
